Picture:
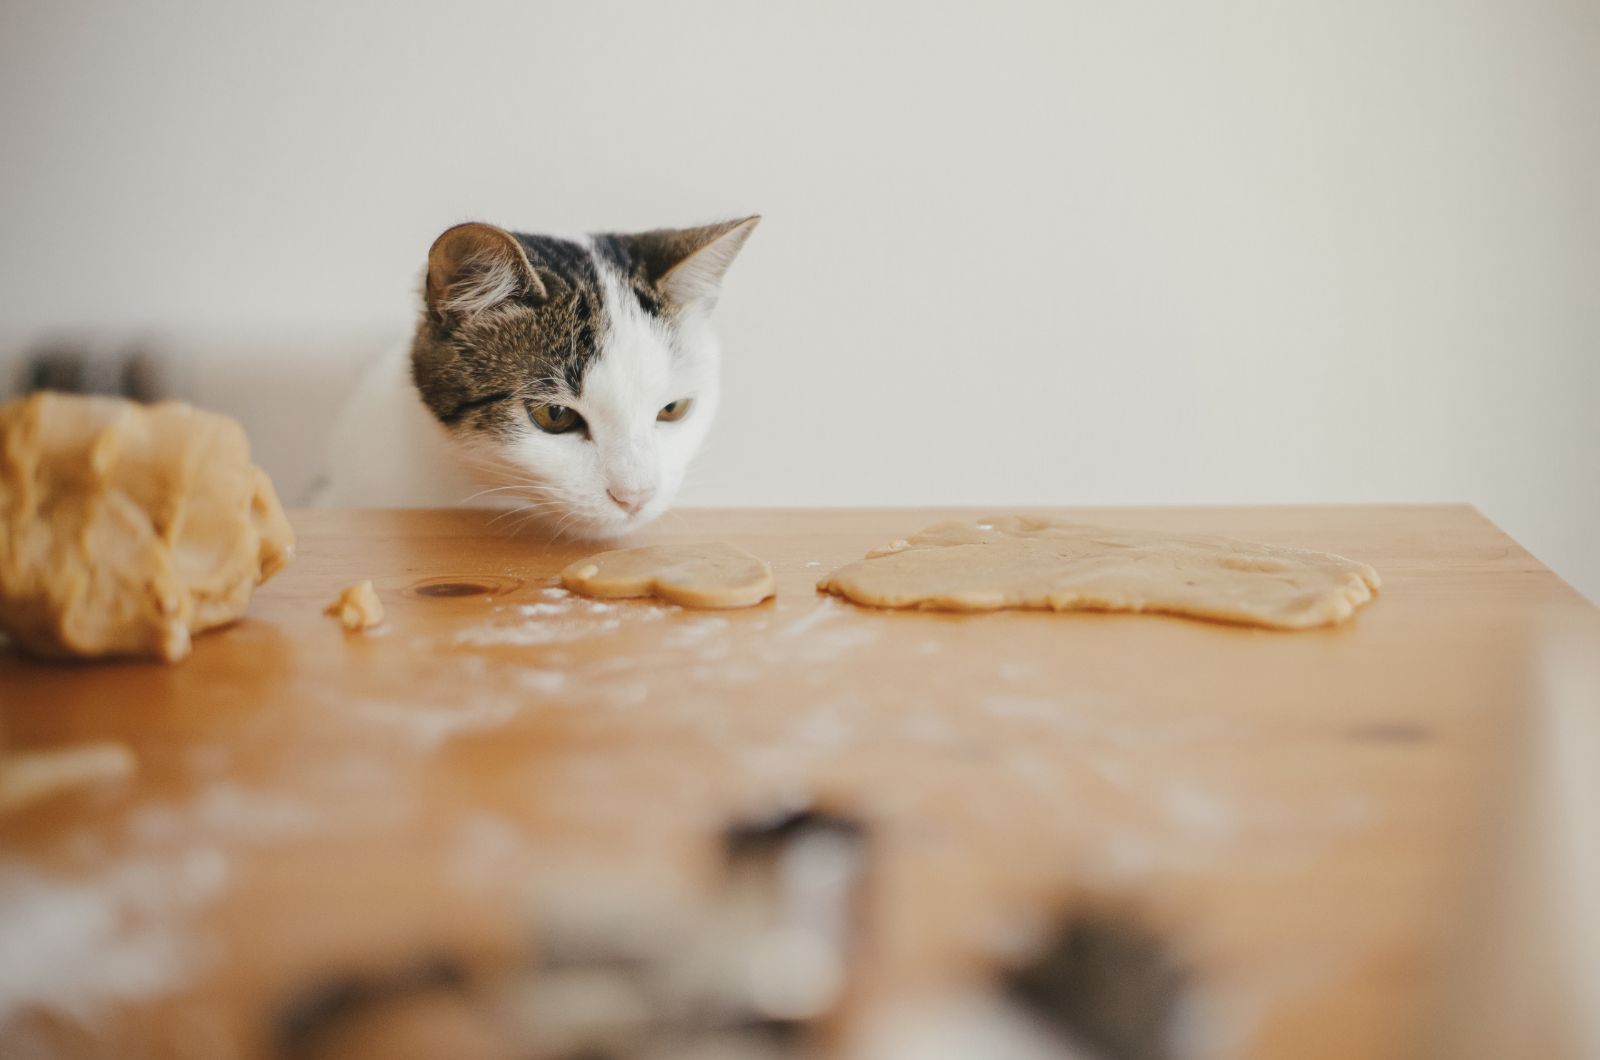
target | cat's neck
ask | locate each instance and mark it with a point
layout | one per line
(388, 450)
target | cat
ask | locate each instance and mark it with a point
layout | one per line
(572, 380)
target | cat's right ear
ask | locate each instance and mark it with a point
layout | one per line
(474, 267)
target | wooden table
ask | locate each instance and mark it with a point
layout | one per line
(1295, 815)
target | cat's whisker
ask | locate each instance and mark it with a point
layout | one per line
(498, 500)
(507, 479)
(564, 525)
(561, 525)
(526, 496)
(513, 487)
(522, 517)
(529, 510)
(532, 517)
(539, 503)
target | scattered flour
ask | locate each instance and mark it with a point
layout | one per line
(1023, 708)
(544, 682)
(632, 694)
(430, 727)
(531, 634)
(1113, 771)
(1017, 672)
(1127, 855)
(824, 730)
(1199, 810)
(72, 946)
(696, 631)
(485, 851)
(826, 608)
(928, 729)
(226, 812)
(727, 673)
(531, 610)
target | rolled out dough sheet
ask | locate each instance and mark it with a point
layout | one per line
(1039, 563)
(710, 575)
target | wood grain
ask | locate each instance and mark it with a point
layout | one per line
(1297, 813)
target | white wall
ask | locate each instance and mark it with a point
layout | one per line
(1014, 252)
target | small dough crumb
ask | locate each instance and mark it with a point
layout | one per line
(125, 529)
(29, 776)
(357, 607)
(1023, 562)
(711, 575)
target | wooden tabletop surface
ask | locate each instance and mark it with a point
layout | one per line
(1295, 816)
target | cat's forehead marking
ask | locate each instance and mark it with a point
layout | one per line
(623, 256)
(615, 313)
(637, 360)
(567, 352)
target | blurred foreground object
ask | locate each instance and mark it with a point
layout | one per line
(1108, 986)
(760, 972)
(757, 969)
(126, 528)
(27, 777)
(1528, 981)
(251, 378)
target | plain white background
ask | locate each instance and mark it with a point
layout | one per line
(1013, 252)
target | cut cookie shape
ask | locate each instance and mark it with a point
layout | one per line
(1038, 563)
(711, 575)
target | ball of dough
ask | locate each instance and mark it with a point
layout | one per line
(126, 528)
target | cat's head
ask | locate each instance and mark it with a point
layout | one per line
(576, 378)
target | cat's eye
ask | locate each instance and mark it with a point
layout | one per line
(554, 419)
(675, 410)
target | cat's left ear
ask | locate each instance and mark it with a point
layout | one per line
(688, 264)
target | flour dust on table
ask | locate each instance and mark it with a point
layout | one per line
(569, 380)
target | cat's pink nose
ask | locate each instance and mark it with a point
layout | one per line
(631, 500)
